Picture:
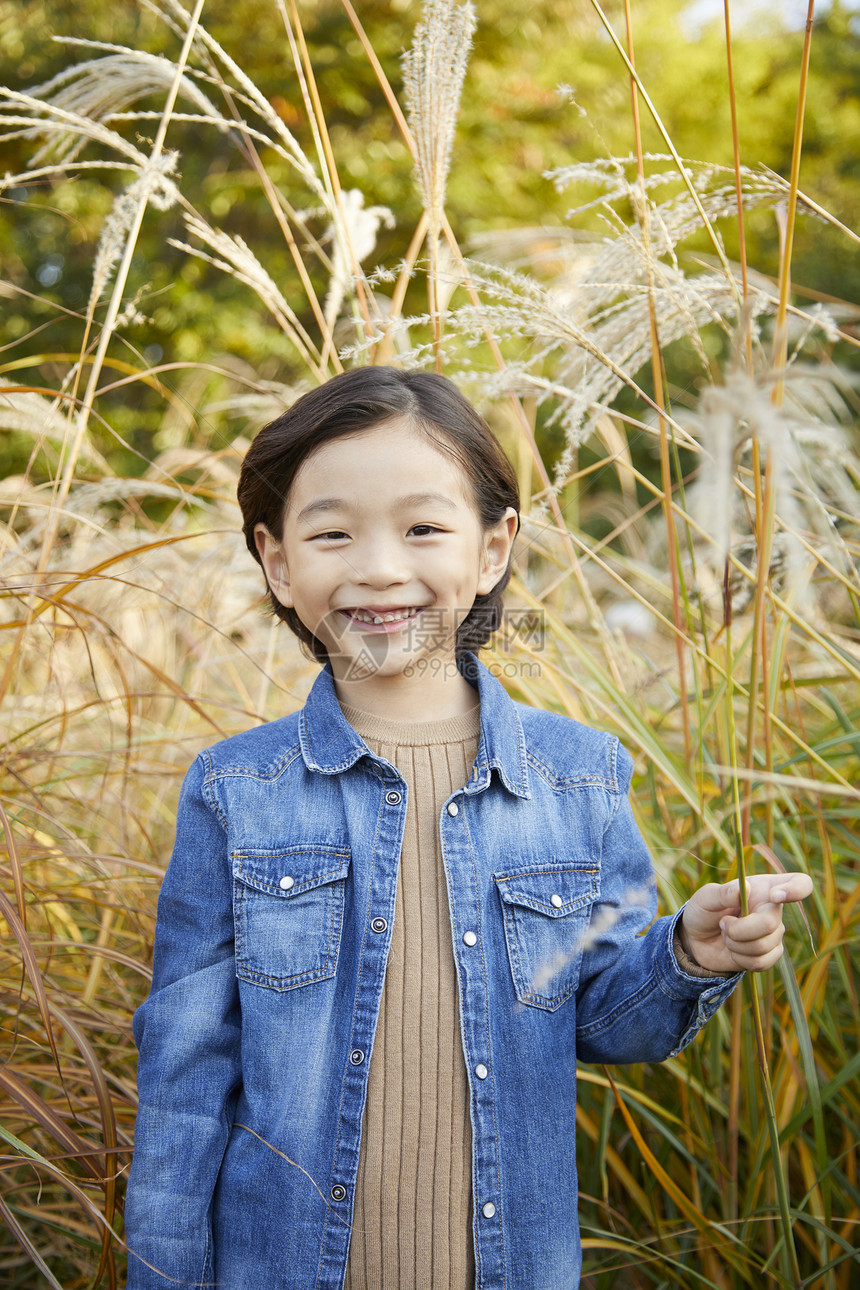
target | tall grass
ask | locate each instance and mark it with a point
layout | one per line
(692, 558)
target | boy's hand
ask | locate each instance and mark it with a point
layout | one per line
(713, 933)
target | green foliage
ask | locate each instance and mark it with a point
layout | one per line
(513, 128)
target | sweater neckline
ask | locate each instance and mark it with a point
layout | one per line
(388, 730)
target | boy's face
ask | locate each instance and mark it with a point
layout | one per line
(383, 553)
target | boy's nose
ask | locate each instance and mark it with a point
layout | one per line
(382, 565)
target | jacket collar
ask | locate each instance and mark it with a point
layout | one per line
(330, 745)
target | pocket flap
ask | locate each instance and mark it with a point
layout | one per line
(555, 890)
(286, 872)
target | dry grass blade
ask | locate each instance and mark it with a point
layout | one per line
(234, 256)
(15, 865)
(27, 1245)
(37, 1111)
(433, 73)
(109, 1136)
(31, 969)
(99, 88)
(40, 118)
(150, 182)
(221, 59)
(721, 255)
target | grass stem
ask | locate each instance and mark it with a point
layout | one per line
(780, 349)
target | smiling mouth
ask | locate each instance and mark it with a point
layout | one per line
(389, 619)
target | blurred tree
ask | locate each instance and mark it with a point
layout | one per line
(514, 127)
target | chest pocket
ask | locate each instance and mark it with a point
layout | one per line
(546, 910)
(288, 913)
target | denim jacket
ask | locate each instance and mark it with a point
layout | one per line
(273, 930)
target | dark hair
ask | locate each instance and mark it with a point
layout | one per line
(362, 400)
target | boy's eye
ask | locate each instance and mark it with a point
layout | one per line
(337, 535)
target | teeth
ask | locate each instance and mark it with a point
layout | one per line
(365, 616)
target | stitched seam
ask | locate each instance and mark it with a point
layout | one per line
(621, 797)
(208, 790)
(522, 750)
(532, 902)
(336, 917)
(346, 1071)
(277, 852)
(341, 766)
(310, 884)
(492, 1065)
(246, 772)
(549, 911)
(572, 783)
(583, 779)
(322, 1242)
(530, 873)
(541, 1001)
(239, 928)
(206, 1270)
(548, 1005)
(513, 949)
(281, 982)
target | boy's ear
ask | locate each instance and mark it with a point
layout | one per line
(274, 564)
(497, 551)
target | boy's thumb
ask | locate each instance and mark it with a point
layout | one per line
(731, 893)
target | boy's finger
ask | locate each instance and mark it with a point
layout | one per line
(714, 896)
(756, 961)
(778, 888)
(764, 927)
(799, 887)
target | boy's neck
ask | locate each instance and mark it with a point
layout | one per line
(409, 698)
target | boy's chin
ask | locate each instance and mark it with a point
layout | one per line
(391, 665)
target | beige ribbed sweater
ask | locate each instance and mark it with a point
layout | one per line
(412, 1219)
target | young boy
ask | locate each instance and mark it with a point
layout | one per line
(395, 920)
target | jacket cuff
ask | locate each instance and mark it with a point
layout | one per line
(708, 991)
(686, 962)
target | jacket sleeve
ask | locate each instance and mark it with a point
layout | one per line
(188, 1033)
(634, 1001)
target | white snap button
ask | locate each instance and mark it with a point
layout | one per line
(392, 797)
(453, 808)
(556, 901)
(286, 882)
(488, 1210)
(469, 938)
(481, 1071)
